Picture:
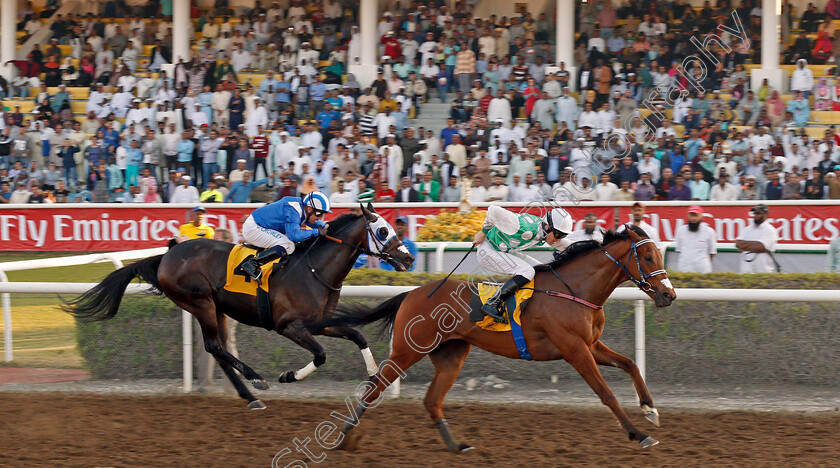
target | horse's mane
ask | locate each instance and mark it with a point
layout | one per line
(336, 226)
(342, 222)
(581, 248)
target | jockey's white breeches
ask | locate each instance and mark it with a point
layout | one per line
(503, 263)
(259, 236)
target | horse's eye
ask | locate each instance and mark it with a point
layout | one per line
(383, 233)
(648, 258)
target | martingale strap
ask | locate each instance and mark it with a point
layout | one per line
(569, 297)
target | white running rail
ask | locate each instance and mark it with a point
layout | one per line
(114, 257)
(686, 294)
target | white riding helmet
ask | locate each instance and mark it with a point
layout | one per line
(560, 220)
(317, 201)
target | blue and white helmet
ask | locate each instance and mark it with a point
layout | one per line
(317, 201)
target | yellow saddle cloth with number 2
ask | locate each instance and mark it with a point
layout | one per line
(237, 280)
(488, 290)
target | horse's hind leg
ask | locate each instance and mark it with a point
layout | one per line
(205, 312)
(356, 337)
(604, 356)
(448, 359)
(580, 357)
(241, 389)
(256, 379)
(231, 374)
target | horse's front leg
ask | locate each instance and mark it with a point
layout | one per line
(604, 356)
(298, 333)
(356, 337)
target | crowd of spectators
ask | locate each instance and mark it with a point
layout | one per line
(515, 132)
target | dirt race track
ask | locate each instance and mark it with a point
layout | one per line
(56, 429)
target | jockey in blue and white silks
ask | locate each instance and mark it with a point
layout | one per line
(277, 226)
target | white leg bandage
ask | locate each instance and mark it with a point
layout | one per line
(305, 372)
(370, 363)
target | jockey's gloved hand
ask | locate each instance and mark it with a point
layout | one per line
(322, 230)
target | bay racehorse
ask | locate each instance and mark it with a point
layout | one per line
(564, 320)
(306, 288)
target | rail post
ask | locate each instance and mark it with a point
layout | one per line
(439, 256)
(7, 321)
(640, 337)
(186, 318)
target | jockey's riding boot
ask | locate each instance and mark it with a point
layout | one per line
(253, 264)
(495, 306)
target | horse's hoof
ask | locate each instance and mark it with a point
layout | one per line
(287, 377)
(260, 384)
(648, 442)
(256, 405)
(651, 414)
(464, 448)
(351, 441)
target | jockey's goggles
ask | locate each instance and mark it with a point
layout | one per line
(319, 213)
(557, 233)
(549, 229)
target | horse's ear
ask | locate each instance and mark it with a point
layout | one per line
(370, 207)
(632, 233)
(368, 215)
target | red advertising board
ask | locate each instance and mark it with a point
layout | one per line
(112, 228)
(796, 224)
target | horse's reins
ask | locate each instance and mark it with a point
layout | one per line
(381, 255)
(357, 247)
(381, 245)
(309, 262)
(643, 284)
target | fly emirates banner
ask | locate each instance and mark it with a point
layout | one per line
(108, 227)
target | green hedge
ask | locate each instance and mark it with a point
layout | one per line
(143, 340)
(690, 342)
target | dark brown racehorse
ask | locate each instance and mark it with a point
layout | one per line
(564, 320)
(305, 289)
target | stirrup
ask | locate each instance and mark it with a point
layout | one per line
(258, 276)
(256, 273)
(497, 313)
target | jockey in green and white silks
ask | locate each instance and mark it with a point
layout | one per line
(504, 235)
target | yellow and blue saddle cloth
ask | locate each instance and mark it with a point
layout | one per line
(240, 282)
(237, 280)
(515, 303)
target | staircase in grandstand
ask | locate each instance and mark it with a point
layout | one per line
(432, 116)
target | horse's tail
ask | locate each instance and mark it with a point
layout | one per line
(103, 301)
(357, 315)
